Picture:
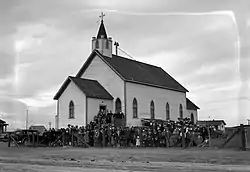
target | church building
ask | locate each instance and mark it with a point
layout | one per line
(118, 84)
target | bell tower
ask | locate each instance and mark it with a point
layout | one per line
(102, 42)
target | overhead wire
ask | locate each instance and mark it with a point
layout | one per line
(125, 53)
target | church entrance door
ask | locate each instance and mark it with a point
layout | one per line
(103, 107)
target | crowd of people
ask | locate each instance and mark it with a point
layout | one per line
(104, 131)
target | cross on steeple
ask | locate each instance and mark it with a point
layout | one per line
(102, 31)
(101, 16)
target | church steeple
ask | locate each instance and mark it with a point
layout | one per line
(102, 43)
(102, 31)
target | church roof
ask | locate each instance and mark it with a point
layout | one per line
(102, 31)
(137, 72)
(191, 105)
(91, 88)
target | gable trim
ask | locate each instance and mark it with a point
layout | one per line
(62, 88)
(86, 64)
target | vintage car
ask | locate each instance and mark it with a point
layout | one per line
(23, 137)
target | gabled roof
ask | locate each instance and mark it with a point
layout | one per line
(136, 72)
(2, 121)
(91, 88)
(102, 31)
(211, 122)
(191, 105)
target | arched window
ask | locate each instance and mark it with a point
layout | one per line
(135, 108)
(192, 118)
(107, 44)
(118, 105)
(97, 44)
(181, 111)
(152, 110)
(71, 110)
(167, 112)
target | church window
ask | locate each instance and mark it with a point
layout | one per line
(135, 108)
(118, 105)
(152, 110)
(167, 112)
(181, 111)
(192, 118)
(71, 110)
(97, 44)
(107, 44)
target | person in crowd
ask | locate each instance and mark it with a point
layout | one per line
(138, 141)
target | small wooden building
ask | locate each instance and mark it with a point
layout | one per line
(39, 128)
(217, 124)
(3, 126)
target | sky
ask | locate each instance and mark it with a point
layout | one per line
(203, 44)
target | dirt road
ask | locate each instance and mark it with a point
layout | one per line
(98, 159)
(110, 166)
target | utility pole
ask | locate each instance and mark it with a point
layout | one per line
(56, 122)
(209, 134)
(27, 118)
(49, 125)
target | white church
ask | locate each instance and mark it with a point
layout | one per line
(118, 84)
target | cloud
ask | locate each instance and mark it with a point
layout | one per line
(7, 57)
(229, 87)
(216, 68)
(164, 5)
(42, 99)
(13, 111)
(6, 65)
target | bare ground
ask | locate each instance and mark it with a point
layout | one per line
(133, 159)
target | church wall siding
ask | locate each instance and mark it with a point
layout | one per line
(72, 92)
(144, 95)
(94, 105)
(194, 113)
(100, 71)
